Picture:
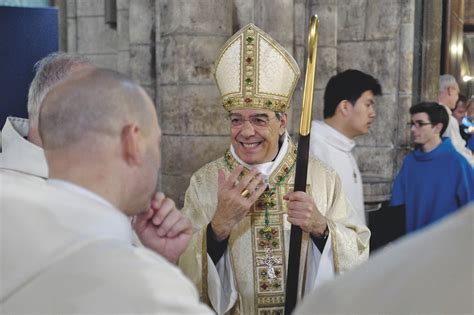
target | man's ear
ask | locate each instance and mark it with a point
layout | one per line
(450, 90)
(131, 150)
(344, 107)
(437, 128)
(283, 123)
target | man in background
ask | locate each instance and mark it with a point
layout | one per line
(467, 124)
(448, 95)
(435, 179)
(349, 101)
(459, 112)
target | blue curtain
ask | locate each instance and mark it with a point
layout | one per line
(26, 36)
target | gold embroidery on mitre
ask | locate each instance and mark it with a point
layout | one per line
(253, 71)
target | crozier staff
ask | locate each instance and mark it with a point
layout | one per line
(302, 168)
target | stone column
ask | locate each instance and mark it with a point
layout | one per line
(142, 44)
(71, 26)
(326, 65)
(189, 35)
(94, 38)
(407, 92)
(123, 52)
(429, 15)
(63, 22)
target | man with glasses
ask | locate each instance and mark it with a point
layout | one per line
(448, 96)
(435, 180)
(242, 204)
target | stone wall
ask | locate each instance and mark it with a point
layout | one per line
(377, 37)
(168, 46)
(194, 130)
(88, 34)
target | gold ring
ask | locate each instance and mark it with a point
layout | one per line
(245, 193)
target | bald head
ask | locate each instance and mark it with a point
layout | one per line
(91, 104)
(446, 81)
(448, 90)
(100, 131)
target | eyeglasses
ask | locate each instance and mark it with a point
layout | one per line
(418, 124)
(258, 121)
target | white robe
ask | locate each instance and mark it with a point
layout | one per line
(428, 272)
(19, 155)
(67, 250)
(335, 149)
(239, 283)
(452, 131)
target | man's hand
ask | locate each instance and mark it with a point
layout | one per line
(163, 228)
(303, 212)
(234, 200)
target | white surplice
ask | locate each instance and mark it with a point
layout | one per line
(335, 149)
(67, 250)
(19, 155)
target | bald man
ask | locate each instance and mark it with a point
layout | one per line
(67, 243)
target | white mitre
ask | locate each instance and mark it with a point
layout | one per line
(253, 71)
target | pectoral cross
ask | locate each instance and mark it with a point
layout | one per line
(269, 262)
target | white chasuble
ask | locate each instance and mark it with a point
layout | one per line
(250, 277)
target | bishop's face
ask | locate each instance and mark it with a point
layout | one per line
(255, 134)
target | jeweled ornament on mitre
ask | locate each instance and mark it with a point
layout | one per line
(253, 71)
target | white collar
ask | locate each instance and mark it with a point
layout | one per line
(18, 153)
(266, 168)
(332, 136)
(100, 220)
(450, 111)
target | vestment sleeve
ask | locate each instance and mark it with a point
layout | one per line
(465, 185)
(214, 282)
(349, 235)
(193, 262)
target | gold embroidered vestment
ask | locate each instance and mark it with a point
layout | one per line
(258, 292)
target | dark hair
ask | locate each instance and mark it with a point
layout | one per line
(461, 98)
(435, 112)
(348, 85)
